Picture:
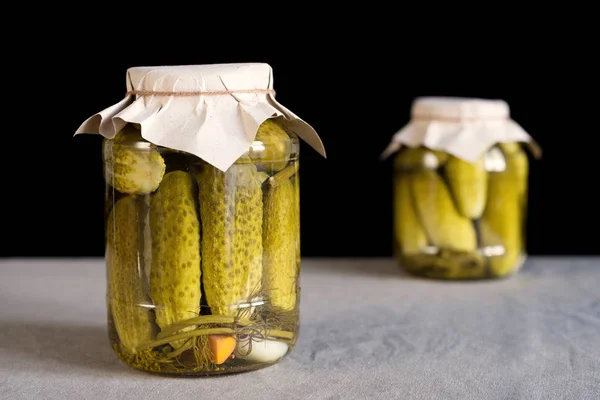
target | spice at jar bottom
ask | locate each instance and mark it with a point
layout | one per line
(202, 254)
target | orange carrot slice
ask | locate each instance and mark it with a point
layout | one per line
(221, 346)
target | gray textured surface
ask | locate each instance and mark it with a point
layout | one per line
(368, 332)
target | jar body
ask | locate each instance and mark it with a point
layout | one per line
(202, 265)
(459, 220)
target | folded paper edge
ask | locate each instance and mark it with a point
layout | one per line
(304, 131)
(396, 142)
(96, 123)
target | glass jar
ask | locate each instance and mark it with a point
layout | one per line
(460, 220)
(460, 211)
(202, 262)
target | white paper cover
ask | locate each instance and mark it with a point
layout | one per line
(463, 127)
(215, 119)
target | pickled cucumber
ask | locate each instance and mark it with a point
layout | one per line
(175, 274)
(130, 170)
(231, 211)
(502, 219)
(420, 157)
(444, 226)
(132, 322)
(510, 147)
(276, 146)
(517, 164)
(410, 236)
(279, 242)
(297, 203)
(468, 184)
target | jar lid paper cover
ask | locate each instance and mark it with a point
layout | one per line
(212, 111)
(463, 127)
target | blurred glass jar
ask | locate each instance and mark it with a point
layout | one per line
(202, 256)
(460, 189)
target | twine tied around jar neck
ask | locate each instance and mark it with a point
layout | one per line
(196, 93)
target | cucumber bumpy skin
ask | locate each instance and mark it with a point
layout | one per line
(231, 211)
(276, 148)
(132, 321)
(445, 227)
(175, 274)
(502, 220)
(132, 170)
(279, 242)
(468, 184)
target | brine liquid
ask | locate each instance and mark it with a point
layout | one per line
(203, 271)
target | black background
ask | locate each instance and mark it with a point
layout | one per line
(354, 86)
